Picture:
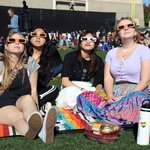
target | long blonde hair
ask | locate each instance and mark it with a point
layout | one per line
(116, 25)
(7, 63)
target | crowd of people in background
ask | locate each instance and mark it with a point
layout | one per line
(106, 40)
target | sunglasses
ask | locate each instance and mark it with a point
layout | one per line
(42, 35)
(92, 39)
(122, 27)
(12, 40)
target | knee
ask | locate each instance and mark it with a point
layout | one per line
(27, 99)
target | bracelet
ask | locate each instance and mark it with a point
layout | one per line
(81, 89)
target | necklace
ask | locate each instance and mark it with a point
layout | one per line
(126, 53)
(123, 56)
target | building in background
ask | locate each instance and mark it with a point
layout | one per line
(132, 8)
(73, 15)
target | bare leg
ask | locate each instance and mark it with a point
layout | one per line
(10, 115)
(28, 108)
(17, 116)
(27, 105)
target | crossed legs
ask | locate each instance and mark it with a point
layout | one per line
(28, 121)
(21, 116)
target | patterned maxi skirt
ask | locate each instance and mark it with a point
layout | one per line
(124, 111)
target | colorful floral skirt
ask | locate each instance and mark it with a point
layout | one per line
(124, 111)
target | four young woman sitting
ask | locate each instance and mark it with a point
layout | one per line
(25, 88)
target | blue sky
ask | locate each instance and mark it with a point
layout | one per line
(147, 2)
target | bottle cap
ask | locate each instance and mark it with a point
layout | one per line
(146, 104)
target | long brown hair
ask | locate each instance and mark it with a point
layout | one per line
(7, 63)
(92, 55)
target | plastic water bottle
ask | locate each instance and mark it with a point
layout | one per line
(144, 124)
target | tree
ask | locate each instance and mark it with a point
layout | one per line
(146, 14)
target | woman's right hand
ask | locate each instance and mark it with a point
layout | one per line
(112, 98)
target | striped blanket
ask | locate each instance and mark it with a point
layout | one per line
(66, 121)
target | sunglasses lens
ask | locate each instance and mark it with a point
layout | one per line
(22, 41)
(121, 27)
(93, 39)
(131, 25)
(83, 39)
(33, 33)
(42, 35)
(11, 40)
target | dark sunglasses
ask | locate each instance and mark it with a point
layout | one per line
(122, 27)
(92, 39)
(12, 40)
(42, 35)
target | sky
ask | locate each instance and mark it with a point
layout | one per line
(147, 2)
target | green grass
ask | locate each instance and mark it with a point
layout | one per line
(72, 141)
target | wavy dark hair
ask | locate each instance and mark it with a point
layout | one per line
(94, 64)
(49, 55)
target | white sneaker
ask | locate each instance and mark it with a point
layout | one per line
(47, 132)
(45, 108)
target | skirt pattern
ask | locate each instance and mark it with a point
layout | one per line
(124, 111)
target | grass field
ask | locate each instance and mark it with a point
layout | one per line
(72, 141)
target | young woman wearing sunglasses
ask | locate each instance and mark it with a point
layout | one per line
(18, 96)
(126, 66)
(50, 63)
(126, 77)
(79, 67)
(127, 70)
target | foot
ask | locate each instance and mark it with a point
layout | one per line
(35, 124)
(47, 132)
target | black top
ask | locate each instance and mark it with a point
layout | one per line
(20, 86)
(49, 68)
(72, 69)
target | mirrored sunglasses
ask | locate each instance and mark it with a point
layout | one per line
(42, 35)
(12, 40)
(92, 39)
(122, 27)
